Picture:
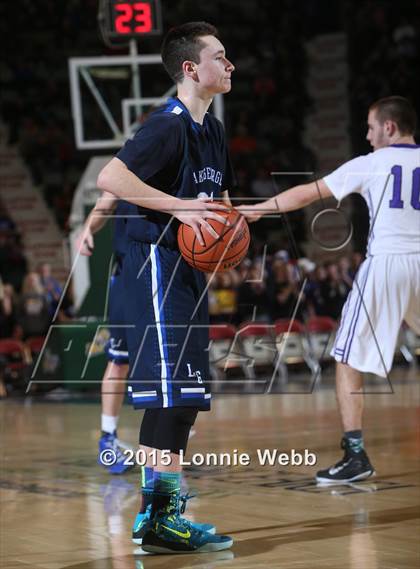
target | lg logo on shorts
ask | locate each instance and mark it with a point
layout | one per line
(196, 374)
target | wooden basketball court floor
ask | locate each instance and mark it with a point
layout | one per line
(60, 509)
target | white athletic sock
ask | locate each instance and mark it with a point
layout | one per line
(109, 423)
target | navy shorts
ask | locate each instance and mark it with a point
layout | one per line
(116, 348)
(166, 307)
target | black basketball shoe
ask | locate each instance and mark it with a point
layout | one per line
(353, 466)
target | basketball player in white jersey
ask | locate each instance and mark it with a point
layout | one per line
(386, 290)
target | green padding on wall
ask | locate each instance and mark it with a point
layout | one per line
(74, 356)
(99, 263)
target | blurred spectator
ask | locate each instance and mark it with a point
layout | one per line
(283, 291)
(223, 302)
(243, 269)
(281, 255)
(346, 273)
(265, 289)
(7, 311)
(306, 267)
(33, 313)
(13, 264)
(253, 301)
(334, 291)
(52, 287)
(315, 300)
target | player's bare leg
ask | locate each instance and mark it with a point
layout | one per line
(113, 389)
(349, 391)
(112, 393)
(355, 464)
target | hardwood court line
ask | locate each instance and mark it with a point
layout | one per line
(396, 475)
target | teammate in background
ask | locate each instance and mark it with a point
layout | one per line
(53, 289)
(114, 380)
(175, 164)
(386, 290)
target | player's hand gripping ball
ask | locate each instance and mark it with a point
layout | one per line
(216, 255)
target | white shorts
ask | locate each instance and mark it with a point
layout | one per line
(386, 291)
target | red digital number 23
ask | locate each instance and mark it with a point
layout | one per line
(142, 14)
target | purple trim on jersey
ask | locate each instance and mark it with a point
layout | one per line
(346, 357)
(354, 313)
(405, 145)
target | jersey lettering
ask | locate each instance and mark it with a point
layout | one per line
(196, 374)
(208, 174)
(396, 201)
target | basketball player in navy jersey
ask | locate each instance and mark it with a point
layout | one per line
(114, 379)
(172, 169)
(386, 290)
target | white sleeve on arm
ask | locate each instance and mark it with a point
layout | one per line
(349, 178)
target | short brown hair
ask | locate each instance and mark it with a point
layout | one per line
(397, 109)
(183, 44)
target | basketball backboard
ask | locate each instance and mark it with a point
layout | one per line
(111, 95)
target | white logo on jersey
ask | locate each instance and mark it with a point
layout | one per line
(205, 196)
(196, 374)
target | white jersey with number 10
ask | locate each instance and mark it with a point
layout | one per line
(389, 181)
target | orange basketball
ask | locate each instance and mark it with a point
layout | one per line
(217, 255)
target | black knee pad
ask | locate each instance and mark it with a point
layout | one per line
(173, 428)
(147, 429)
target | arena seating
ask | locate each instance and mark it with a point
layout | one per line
(35, 345)
(226, 353)
(292, 346)
(17, 360)
(321, 334)
(258, 342)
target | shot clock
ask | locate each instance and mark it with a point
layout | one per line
(131, 19)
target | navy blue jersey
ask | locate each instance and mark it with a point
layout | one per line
(116, 348)
(166, 309)
(120, 240)
(180, 157)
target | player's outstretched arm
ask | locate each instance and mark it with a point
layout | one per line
(117, 179)
(97, 218)
(289, 200)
